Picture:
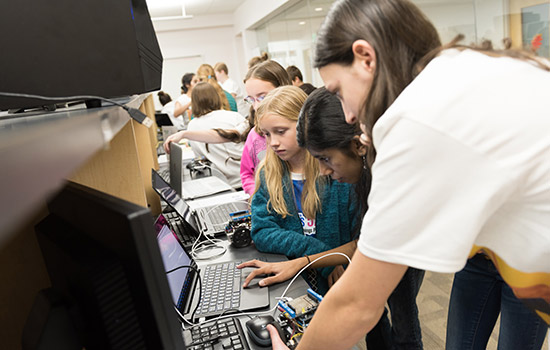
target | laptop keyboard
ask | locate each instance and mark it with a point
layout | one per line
(165, 174)
(221, 289)
(221, 334)
(176, 224)
(220, 214)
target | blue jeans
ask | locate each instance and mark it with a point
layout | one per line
(404, 331)
(478, 296)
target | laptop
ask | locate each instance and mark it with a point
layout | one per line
(220, 283)
(196, 188)
(208, 215)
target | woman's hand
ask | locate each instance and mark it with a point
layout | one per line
(335, 275)
(173, 138)
(276, 341)
(277, 271)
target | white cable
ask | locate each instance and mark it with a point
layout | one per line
(305, 267)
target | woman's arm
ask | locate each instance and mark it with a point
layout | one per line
(284, 270)
(179, 108)
(206, 136)
(353, 305)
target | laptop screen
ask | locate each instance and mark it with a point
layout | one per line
(173, 257)
(170, 196)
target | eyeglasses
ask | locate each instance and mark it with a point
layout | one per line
(251, 100)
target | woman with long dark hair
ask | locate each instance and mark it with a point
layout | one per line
(459, 159)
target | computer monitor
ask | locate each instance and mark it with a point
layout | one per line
(102, 256)
(63, 48)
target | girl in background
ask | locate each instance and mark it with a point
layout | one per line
(259, 80)
(207, 113)
(295, 211)
(181, 108)
(168, 109)
(206, 73)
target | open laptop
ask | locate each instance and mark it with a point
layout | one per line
(196, 188)
(209, 215)
(218, 294)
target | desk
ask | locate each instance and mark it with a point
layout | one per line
(298, 288)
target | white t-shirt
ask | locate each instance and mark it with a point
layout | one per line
(225, 156)
(169, 109)
(232, 87)
(463, 163)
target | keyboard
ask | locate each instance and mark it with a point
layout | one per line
(220, 214)
(176, 224)
(226, 333)
(221, 289)
(165, 174)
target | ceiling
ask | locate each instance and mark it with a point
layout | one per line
(172, 8)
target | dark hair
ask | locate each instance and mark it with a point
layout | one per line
(186, 81)
(269, 71)
(294, 72)
(164, 98)
(400, 35)
(204, 99)
(322, 125)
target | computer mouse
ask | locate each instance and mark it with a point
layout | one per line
(258, 332)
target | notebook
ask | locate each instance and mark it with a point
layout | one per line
(196, 188)
(218, 295)
(209, 215)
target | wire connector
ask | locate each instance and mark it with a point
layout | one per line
(139, 116)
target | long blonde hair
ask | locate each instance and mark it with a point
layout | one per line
(286, 102)
(206, 73)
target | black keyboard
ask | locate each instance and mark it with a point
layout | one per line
(176, 224)
(226, 333)
(221, 289)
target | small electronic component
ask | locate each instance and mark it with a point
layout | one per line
(296, 315)
(238, 229)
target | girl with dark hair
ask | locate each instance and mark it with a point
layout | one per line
(459, 158)
(181, 108)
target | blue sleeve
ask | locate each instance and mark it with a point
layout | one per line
(271, 233)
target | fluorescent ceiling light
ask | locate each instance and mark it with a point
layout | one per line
(318, 9)
(302, 23)
(167, 9)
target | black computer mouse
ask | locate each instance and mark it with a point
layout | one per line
(258, 332)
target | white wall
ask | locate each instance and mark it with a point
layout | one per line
(187, 43)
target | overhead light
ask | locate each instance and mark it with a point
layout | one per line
(167, 9)
(302, 23)
(318, 9)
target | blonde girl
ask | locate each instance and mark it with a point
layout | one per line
(295, 211)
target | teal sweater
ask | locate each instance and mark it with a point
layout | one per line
(334, 223)
(231, 100)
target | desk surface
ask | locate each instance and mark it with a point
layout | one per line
(298, 288)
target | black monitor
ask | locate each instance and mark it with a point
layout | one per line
(103, 258)
(62, 48)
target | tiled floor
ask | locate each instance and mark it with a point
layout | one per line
(433, 302)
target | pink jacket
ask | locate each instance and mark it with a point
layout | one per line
(253, 154)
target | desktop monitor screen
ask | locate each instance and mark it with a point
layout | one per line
(102, 255)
